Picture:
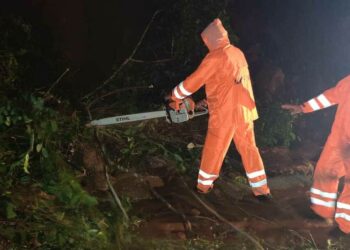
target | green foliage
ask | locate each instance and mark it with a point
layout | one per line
(274, 126)
(69, 218)
(28, 58)
(51, 227)
(8, 67)
(193, 244)
(139, 142)
(33, 137)
(69, 192)
(42, 203)
(13, 41)
(33, 126)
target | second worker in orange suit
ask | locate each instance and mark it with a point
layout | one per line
(334, 162)
(224, 72)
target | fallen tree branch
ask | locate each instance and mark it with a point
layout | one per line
(57, 81)
(258, 217)
(221, 218)
(186, 222)
(205, 218)
(105, 166)
(117, 91)
(127, 60)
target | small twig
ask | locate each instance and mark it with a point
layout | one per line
(127, 60)
(301, 237)
(109, 135)
(117, 92)
(313, 241)
(57, 81)
(153, 61)
(206, 218)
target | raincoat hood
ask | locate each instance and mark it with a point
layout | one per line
(215, 36)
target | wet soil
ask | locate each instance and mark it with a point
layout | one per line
(168, 207)
(285, 220)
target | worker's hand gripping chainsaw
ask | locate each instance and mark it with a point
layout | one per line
(174, 113)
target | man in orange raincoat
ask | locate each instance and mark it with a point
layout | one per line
(224, 72)
(334, 162)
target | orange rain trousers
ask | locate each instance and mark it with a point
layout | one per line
(216, 145)
(225, 74)
(334, 162)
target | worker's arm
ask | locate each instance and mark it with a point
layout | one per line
(196, 80)
(328, 98)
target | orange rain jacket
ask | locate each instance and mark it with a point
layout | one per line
(224, 72)
(334, 162)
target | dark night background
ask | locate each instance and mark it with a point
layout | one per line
(309, 39)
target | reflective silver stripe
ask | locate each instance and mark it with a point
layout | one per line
(322, 203)
(176, 93)
(314, 104)
(323, 194)
(183, 90)
(206, 175)
(258, 184)
(343, 205)
(206, 183)
(322, 99)
(343, 216)
(256, 174)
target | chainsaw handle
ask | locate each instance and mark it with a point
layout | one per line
(175, 114)
(185, 112)
(204, 111)
(167, 101)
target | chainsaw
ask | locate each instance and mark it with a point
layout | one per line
(172, 116)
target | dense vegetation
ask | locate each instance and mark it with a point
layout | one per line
(42, 201)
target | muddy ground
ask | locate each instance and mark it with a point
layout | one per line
(167, 207)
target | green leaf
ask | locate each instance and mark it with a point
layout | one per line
(54, 126)
(178, 158)
(39, 146)
(24, 179)
(8, 121)
(26, 163)
(61, 215)
(27, 119)
(93, 231)
(45, 153)
(10, 211)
